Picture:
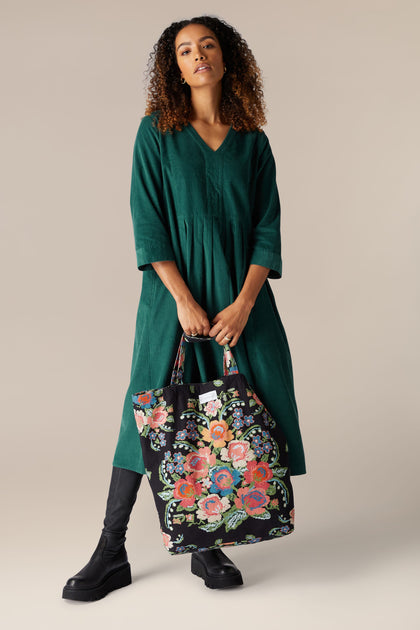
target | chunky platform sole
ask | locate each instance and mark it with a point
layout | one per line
(118, 579)
(212, 581)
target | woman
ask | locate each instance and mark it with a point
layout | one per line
(206, 218)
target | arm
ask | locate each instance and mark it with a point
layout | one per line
(191, 316)
(232, 320)
(254, 280)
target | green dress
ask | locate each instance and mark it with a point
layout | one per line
(213, 213)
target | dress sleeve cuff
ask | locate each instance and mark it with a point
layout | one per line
(267, 258)
(152, 252)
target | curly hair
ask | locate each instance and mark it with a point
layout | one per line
(242, 103)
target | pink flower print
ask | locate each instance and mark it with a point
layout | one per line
(257, 400)
(292, 516)
(212, 407)
(167, 540)
(189, 517)
(141, 419)
(274, 502)
(218, 433)
(158, 417)
(187, 489)
(211, 507)
(239, 452)
(198, 463)
(253, 500)
(258, 473)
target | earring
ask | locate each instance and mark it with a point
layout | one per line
(225, 68)
(183, 80)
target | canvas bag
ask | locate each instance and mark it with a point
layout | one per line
(216, 460)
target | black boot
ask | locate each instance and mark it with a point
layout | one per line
(215, 568)
(108, 568)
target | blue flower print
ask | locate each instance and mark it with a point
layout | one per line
(224, 479)
(238, 423)
(267, 447)
(167, 454)
(181, 435)
(258, 451)
(238, 413)
(248, 420)
(178, 457)
(256, 440)
(179, 468)
(170, 467)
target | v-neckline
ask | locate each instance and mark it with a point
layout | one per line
(203, 143)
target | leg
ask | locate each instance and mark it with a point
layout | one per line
(108, 568)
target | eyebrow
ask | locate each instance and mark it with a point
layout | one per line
(200, 40)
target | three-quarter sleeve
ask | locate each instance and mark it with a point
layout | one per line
(151, 233)
(266, 240)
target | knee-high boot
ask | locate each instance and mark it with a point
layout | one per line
(108, 568)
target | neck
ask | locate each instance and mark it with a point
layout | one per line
(205, 103)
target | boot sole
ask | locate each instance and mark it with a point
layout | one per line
(212, 581)
(121, 577)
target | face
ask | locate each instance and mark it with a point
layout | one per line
(196, 45)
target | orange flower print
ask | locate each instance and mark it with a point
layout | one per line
(187, 489)
(158, 417)
(258, 473)
(146, 399)
(210, 508)
(212, 407)
(218, 433)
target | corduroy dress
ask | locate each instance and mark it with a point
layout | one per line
(214, 213)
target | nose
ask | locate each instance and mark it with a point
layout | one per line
(199, 56)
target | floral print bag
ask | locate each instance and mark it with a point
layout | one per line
(217, 462)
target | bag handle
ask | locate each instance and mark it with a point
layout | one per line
(229, 363)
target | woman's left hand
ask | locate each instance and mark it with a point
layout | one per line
(230, 321)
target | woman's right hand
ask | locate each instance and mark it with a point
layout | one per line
(192, 317)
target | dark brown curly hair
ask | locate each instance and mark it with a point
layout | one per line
(242, 103)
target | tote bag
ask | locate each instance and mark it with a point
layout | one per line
(216, 460)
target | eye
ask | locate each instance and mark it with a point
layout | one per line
(184, 51)
(211, 45)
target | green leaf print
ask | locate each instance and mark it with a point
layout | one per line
(165, 495)
(263, 517)
(234, 519)
(210, 527)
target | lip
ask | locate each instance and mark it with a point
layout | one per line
(205, 67)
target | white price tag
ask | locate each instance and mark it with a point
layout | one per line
(203, 398)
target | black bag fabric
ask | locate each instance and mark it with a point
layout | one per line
(216, 460)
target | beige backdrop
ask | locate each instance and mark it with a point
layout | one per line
(342, 89)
